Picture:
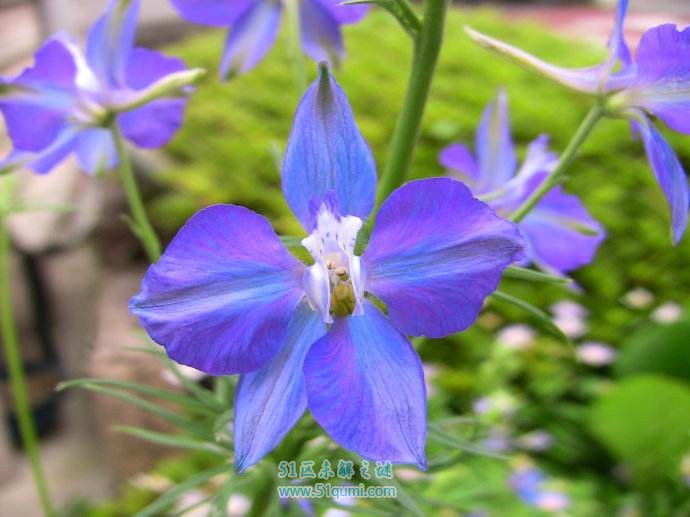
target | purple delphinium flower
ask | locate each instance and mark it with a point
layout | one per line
(64, 102)
(553, 230)
(656, 81)
(254, 27)
(227, 297)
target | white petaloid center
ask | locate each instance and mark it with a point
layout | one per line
(334, 283)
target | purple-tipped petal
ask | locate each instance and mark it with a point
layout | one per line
(460, 163)
(365, 387)
(668, 172)
(435, 254)
(96, 150)
(251, 37)
(271, 400)
(111, 40)
(221, 296)
(154, 124)
(327, 155)
(495, 148)
(322, 39)
(37, 114)
(219, 13)
(560, 235)
(663, 76)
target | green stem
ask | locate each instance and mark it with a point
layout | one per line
(20, 392)
(558, 174)
(140, 224)
(294, 49)
(426, 52)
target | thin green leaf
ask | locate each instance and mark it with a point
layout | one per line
(159, 506)
(181, 399)
(163, 413)
(440, 436)
(171, 440)
(219, 505)
(530, 275)
(221, 424)
(544, 319)
(204, 395)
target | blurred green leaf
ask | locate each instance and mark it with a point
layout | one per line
(644, 422)
(662, 349)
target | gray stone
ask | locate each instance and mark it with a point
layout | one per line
(117, 330)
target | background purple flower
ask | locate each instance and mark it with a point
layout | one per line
(254, 26)
(226, 297)
(63, 103)
(559, 232)
(656, 81)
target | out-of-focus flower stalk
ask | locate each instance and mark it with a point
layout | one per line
(10, 340)
(140, 223)
(294, 51)
(558, 174)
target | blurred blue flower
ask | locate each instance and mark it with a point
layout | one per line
(559, 232)
(536, 441)
(227, 297)
(531, 486)
(657, 81)
(254, 27)
(65, 101)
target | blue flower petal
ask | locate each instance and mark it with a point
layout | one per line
(154, 124)
(618, 48)
(668, 172)
(251, 37)
(271, 400)
(327, 155)
(322, 39)
(365, 387)
(96, 150)
(36, 116)
(495, 148)
(663, 76)
(435, 254)
(560, 234)
(44, 161)
(460, 163)
(221, 296)
(111, 40)
(213, 12)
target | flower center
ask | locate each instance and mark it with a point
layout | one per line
(334, 283)
(343, 300)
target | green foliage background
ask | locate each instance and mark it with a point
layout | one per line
(228, 152)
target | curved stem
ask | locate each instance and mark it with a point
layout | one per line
(427, 49)
(564, 162)
(140, 223)
(10, 340)
(295, 55)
